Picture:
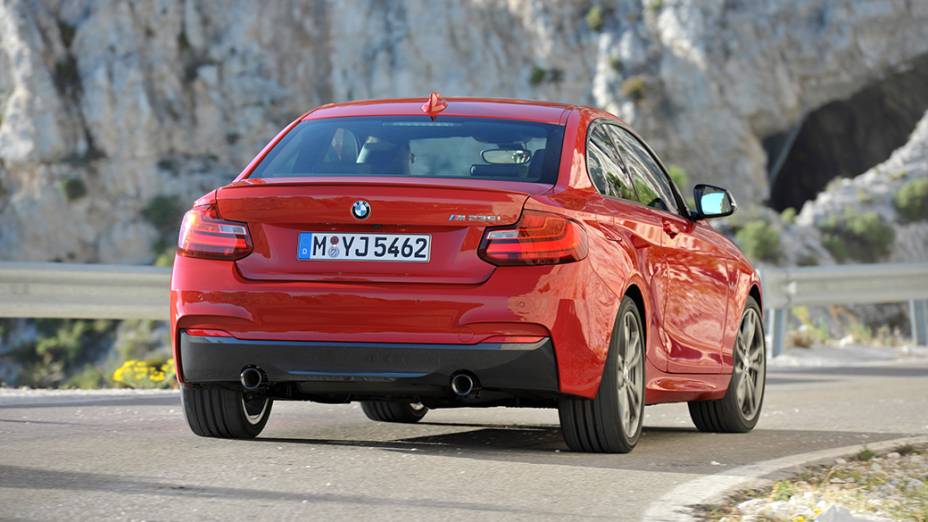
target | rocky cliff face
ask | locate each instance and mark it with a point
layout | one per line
(105, 106)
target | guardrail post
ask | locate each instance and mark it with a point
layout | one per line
(918, 313)
(777, 331)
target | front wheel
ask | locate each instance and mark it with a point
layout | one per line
(224, 413)
(611, 423)
(739, 409)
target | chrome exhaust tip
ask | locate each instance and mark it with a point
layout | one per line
(463, 384)
(252, 378)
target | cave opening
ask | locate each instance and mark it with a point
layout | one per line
(845, 138)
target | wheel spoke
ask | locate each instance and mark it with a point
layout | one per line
(630, 426)
(634, 359)
(623, 406)
(741, 393)
(635, 397)
(748, 330)
(633, 341)
(626, 332)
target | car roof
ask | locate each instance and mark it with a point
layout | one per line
(501, 108)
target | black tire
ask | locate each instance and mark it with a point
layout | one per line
(598, 425)
(224, 413)
(393, 411)
(728, 415)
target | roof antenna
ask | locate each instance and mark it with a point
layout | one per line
(434, 105)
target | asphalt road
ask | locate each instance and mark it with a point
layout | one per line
(132, 458)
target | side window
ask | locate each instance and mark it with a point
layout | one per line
(594, 167)
(609, 178)
(649, 179)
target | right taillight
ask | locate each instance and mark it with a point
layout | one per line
(539, 238)
(203, 234)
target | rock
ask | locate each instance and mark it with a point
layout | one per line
(777, 511)
(750, 506)
(892, 455)
(874, 191)
(842, 514)
(151, 91)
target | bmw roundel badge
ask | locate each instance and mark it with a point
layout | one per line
(361, 209)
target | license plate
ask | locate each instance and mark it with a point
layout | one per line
(333, 246)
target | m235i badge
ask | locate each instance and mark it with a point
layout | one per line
(476, 218)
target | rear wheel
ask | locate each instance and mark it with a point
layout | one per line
(394, 411)
(611, 423)
(739, 409)
(225, 413)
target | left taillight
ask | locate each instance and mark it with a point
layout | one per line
(203, 234)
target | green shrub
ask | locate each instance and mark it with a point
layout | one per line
(911, 201)
(865, 454)
(169, 164)
(61, 348)
(89, 378)
(788, 215)
(537, 76)
(595, 18)
(860, 332)
(73, 188)
(655, 5)
(141, 339)
(634, 88)
(679, 176)
(864, 237)
(682, 180)
(615, 63)
(760, 241)
(67, 32)
(782, 491)
(809, 332)
(166, 258)
(164, 212)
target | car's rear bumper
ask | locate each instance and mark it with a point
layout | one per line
(393, 368)
(567, 303)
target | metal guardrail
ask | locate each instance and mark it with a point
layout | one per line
(72, 291)
(76, 291)
(844, 284)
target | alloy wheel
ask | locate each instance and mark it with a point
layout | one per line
(750, 364)
(630, 380)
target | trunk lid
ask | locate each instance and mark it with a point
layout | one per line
(452, 213)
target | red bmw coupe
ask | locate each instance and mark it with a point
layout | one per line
(464, 252)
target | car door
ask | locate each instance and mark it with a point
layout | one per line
(692, 279)
(626, 223)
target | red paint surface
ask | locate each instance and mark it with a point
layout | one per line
(693, 282)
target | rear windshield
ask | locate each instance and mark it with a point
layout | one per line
(417, 147)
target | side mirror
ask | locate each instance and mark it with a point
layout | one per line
(713, 202)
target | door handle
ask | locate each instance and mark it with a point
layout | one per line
(670, 229)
